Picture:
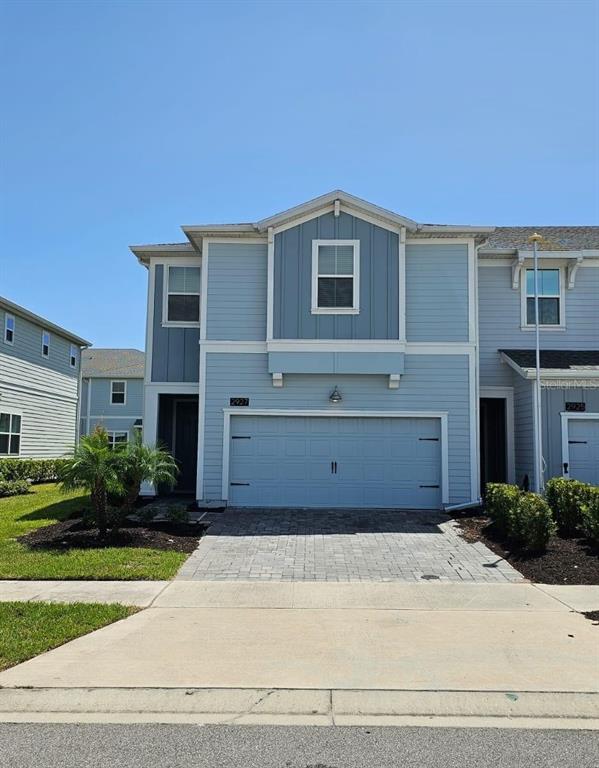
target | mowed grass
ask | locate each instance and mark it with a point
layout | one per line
(45, 505)
(28, 629)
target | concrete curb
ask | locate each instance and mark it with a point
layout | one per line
(253, 706)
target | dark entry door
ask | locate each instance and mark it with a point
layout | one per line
(493, 442)
(185, 440)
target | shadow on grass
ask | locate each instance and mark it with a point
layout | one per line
(60, 510)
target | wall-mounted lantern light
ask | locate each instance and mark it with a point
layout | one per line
(335, 396)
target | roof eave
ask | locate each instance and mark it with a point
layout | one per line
(46, 324)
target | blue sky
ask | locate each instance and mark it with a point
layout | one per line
(123, 120)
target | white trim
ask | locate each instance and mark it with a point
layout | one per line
(472, 281)
(566, 417)
(442, 415)
(339, 345)
(7, 317)
(507, 394)
(204, 289)
(201, 425)
(439, 240)
(12, 412)
(88, 405)
(473, 423)
(45, 333)
(401, 294)
(270, 284)
(524, 325)
(110, 417)
(150, 323)
(355, 308)
(166, 323)
(174, 388)
(112, 392)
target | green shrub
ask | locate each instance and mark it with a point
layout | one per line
(590, 515)
(567, 498)
(532, 522)
(13, 487)
(500, 502)
(34, 470)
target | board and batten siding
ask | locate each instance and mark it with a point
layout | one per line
(523, 428)
(437, 292)
(246, 375)
(237, 284)
(175, 351)
(499, 320)
(47, 402)
(379, 281)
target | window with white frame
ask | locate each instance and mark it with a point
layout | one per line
(73, 353)
(550, 297)
(335, 276)
(116, 439)
(10, 434)
(9, 329)
(182, 295)
(45, 344)
(118, 392)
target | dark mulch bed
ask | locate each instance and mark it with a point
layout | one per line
(77, 533)
(566, 561)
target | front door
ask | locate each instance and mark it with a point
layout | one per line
(493, 443)
(185, 443)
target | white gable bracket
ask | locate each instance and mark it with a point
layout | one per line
(277, 379)
(517, 269)
(573, 265)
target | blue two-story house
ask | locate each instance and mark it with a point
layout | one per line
(341, 355)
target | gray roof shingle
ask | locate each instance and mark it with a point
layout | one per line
(556, 359)
(554, 238)
(110, 363)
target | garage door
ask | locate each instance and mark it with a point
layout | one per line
(583, 447)
(291, 461)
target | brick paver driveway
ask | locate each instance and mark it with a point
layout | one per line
(340, 545)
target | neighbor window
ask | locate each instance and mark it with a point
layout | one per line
(10, 434)
(45, 344)
(335, 276)
(73, 356)
(118, 392)
(117, 438)
(183, 295)
(550, 311)
(9, 329)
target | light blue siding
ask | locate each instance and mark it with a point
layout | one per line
(100, 404)
(175, 351)
(336, 362)
(437, 292)
(421, 389)
(499, 320)
(237, 283)
(523, 428)
(379, 281)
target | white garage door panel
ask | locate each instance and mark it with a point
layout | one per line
(380, 462)
(583, 447)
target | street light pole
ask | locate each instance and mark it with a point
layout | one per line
(539, 480)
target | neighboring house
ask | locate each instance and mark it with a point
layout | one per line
(112, 392)
(341, 355)
(39, 385)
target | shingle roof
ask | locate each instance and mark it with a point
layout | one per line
(107, 363)
(556, 359)
(554, 238)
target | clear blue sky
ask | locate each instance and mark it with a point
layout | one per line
(123, 120)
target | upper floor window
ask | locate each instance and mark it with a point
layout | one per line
(118, 392)
(10, 434)
(336, 277)
(182, 296)
(9, 329)
(550, 297)
(45, 344)
(73, 356)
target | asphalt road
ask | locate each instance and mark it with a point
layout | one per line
(183, 746)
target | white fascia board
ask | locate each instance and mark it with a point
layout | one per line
(450, 229)
(19, 311)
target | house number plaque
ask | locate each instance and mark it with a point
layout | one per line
(237, 402)
(576, 407)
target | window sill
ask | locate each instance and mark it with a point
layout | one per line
(175, 324)
(531, 328)
(335, 311)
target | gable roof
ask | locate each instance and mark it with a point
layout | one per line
(112, 363)
(18, 310)
(554, 238)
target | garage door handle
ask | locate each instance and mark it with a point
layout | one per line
(430, 439)
(428, 486)
(241, 437)
(239, 483)
(577, 442)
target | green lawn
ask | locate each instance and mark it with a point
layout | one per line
(28, 629)
(46, 505)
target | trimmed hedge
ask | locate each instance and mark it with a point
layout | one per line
(13, 487)
(590, 515)
(34, 470)
(520, 516)
(567, 498)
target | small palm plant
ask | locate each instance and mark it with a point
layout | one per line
(140, 463)
(94, 466)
